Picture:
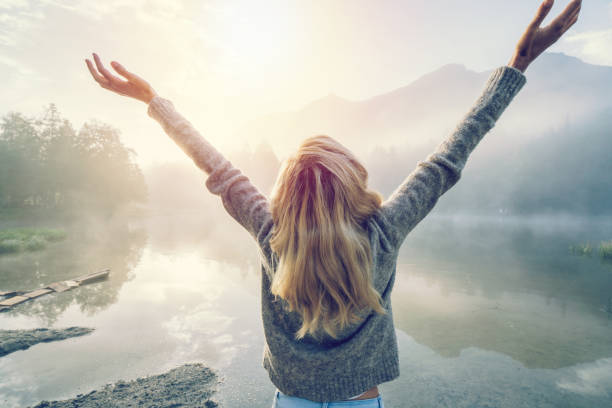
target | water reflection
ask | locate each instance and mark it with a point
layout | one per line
(488, 313)
(89, 246)
(481, 378)
(213, 234)
(538, 332)
(510, 287)
(177, 309)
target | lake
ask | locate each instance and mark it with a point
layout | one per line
(489, 312)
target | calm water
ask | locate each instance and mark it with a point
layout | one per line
(488, 312)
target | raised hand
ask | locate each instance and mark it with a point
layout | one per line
(134, 87)
(536, 39)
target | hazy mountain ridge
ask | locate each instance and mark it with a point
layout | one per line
(568, 170)
(558, 88)
(521, 166)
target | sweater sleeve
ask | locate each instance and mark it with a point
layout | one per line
(239, 196)
(419, 192)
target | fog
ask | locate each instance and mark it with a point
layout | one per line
(548, 153)
(490, 305)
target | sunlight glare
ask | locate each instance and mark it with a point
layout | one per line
(256, 37)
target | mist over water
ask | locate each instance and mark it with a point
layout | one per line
(488, 310)
(490, 305)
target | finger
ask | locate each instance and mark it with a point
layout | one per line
(541, 14)
(121, 70)
(567, 14)
(111, 78)
(573, 18)
(98, 78)
(570, 23)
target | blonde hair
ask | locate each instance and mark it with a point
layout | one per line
(319, 205)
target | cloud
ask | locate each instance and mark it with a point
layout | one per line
(153, 11)
(14, 64)
(9, 4)
(592, 46)
(96, 10)
(591, 379)
(16, 20)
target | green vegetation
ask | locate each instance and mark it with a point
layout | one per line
(45, 164)
(605, 250)
(27, 239)
(582, 249)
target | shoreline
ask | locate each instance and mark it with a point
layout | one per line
(190, 385)
(15, 340)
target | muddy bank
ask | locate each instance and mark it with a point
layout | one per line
(190, 385)
(13, 340)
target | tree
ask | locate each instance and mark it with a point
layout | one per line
(46, 163)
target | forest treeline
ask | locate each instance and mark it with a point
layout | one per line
(46, 163)
(567, 170)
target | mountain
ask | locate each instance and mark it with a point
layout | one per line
(419, 115)
(549, 152)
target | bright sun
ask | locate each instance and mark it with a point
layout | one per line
(257, 36)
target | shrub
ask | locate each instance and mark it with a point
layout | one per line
(8, 246)
(53, 235)
(605, 250)
(31, 239)
(36, 242)
(582, 249)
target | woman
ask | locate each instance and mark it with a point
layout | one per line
(328, 244)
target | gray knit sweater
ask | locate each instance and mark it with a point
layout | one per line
(365, 354)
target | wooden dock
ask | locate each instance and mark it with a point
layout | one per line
(14, 298)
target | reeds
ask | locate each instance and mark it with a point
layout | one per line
(582, 249)
(27, 239)
(605, 250)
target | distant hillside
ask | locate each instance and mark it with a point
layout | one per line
(549, 152)
(568, 170)
(560, 89)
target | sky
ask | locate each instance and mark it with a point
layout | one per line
(224, 62)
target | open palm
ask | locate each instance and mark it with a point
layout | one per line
(134, 87)
(536, 39)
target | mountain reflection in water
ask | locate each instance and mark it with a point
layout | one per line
(488, 312)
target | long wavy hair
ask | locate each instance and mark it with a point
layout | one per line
(319, 206)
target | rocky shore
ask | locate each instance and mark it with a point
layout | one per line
(13, 340)
(188, 386)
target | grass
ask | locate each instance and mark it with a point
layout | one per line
(582, 249)
(605, 250)
(27, 239)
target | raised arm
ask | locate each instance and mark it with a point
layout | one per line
(420, 191)
(240, 197)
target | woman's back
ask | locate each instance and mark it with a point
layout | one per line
(364, 354)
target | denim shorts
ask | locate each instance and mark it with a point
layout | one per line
(285, 401)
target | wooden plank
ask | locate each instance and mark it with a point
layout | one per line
(20, 297)
(59, 287)
(15, 300)
(36, 293)
(90, 277)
